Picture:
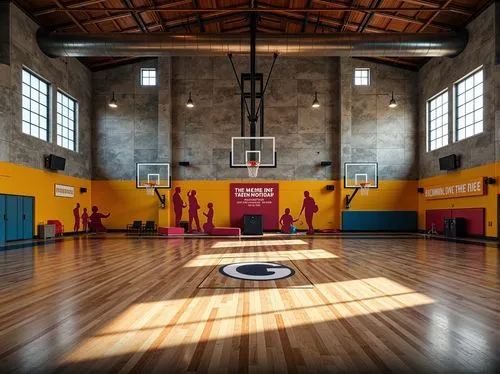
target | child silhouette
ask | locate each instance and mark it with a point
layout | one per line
(85, 219)
(209, 225)
(286, 221)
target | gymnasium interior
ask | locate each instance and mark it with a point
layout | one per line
(235, 186)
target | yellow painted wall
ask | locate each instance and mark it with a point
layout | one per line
(291, 195)
(487, 201)
(126, 203)
(21, 180)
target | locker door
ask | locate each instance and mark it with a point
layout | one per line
(12, 218)
(27, 217)
(2, 218)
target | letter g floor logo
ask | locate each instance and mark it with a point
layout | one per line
(256, 271)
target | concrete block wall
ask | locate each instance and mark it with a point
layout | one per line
(68, 75)
(373, 132)
(304, 136)
(129, 133)
(441, 73)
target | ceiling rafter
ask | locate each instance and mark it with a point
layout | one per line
(79, 4)
(198, 17)
(137, 17)
(431, 18)
(71, 16)
(306, 16)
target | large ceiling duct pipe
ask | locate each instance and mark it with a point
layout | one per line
(339, 44)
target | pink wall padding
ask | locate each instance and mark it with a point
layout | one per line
(474, 217)
(226, 231)
(170, 230)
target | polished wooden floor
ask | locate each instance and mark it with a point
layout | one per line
(113, 304)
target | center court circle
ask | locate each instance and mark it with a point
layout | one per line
(257, 271)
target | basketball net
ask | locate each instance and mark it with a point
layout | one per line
(365, 188)
(253, 168)
(150, 188)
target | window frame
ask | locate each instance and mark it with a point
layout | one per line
(456, 106)
(47, 104)
(368, 77)
(142, 78)
(428, 119)
(75, 121)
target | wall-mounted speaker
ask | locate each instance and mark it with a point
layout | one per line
(83, 190)
(489, 180)
(184, 163)
(54, 162)
(325, 163)
(420, 190)
(450, 162)
(330, 187)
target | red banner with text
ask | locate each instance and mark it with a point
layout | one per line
(255, 198)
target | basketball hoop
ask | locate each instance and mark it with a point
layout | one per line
(253, 168)
(150, 188)
(365, 188)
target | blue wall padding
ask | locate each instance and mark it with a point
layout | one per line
(353, 220)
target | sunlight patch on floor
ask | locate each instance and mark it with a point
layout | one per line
(137, 328)
(257, 243)
(305, 254)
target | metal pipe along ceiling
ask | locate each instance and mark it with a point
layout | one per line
(340, 44)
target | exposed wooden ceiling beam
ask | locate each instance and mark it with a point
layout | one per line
(267, 10)
(306, 17)
(71, 16)
(78, 4)
(198, 17)
(432, 17)
(135, 16)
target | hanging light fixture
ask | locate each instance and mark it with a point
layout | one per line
(392, 103)
(315, 103)
(190, 103)
(112, 103)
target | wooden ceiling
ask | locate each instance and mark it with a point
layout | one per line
(281, 16)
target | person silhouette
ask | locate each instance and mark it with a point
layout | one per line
(85, 220)
(209, 225)
(193, 211)
(309, 207)
(76, 215)
(95, 220)
(178, 206)
(286, 221)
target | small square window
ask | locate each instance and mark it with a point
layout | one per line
(361, 77)
(148, 77)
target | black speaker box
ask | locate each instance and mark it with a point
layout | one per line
(253, 224)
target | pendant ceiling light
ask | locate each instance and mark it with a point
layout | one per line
(392, 103)
(112, 103)
(315, 103)
(190, 103)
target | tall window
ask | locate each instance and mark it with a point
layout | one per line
(361, 77)
(469, 110)
(66, 121)
(437, 121)
(35, 104)
(148, 77)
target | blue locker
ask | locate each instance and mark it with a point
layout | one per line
(12, 211)
(2, 218)
(27, 216)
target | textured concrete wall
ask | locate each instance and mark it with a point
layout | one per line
(304, 136)
(441, 73)
(129, 133)
(373, 132)
(67, 74)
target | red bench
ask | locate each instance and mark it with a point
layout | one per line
(226, 231)
(170, 230)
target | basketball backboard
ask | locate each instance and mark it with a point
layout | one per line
(260, 148)
(360, 174)
(153, 173)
